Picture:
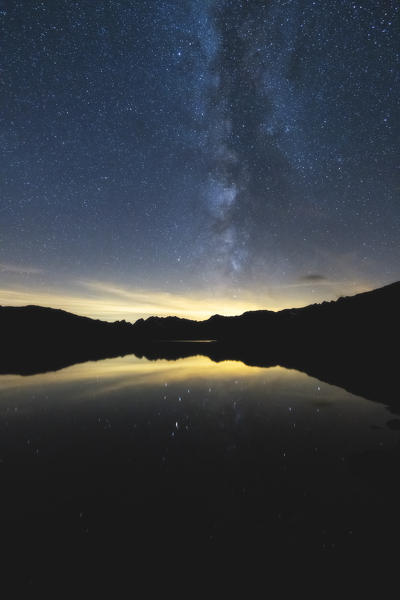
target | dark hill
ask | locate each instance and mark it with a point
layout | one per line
(361, 317)
(365, 313)
(42, 338)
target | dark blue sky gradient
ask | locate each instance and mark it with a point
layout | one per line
(203, 144)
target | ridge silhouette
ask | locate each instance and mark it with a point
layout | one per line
(349, 342)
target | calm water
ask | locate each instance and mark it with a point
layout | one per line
(191, 456)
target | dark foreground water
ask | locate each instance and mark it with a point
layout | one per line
(122, 466)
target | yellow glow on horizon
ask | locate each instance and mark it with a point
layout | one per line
(110, 302)
(130, 306)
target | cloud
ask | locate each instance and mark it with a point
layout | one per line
(145, 302)
(19, 270)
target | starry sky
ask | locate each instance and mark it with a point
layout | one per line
(197, 156)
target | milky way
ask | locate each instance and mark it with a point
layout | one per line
(303, 134)
(193, 145)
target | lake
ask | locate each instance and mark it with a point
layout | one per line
(174, 458)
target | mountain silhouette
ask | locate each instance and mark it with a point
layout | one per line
(37, 339)
(350, 342)
(360, 317)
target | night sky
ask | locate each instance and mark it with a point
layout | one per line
(197, 156)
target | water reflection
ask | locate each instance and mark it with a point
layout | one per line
(131, 370)
(205, 454)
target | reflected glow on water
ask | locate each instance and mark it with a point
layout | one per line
(194, 451)
(127, 380)
(135, 370)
